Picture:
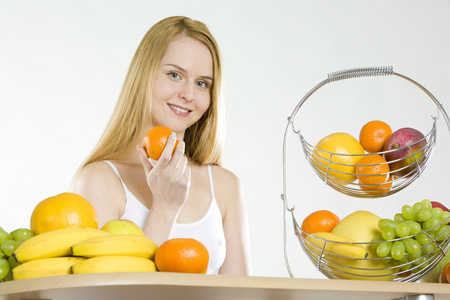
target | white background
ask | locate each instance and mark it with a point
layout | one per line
(62, 65)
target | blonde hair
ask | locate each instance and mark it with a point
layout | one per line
(131, 116)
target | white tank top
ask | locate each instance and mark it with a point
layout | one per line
(208, 230)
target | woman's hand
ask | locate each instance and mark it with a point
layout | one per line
(169, 178)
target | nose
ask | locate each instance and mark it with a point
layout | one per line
(187, 91)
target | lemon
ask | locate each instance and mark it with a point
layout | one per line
(340, 151)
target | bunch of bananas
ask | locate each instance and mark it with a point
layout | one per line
(83, 250)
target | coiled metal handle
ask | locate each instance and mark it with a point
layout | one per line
(360, 72)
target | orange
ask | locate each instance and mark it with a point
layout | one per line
(373, 135)
(63, 211)
(346, 151)
(184, 255)
(379, 188)
(155, 140)
(372, 169)
(319, 221)
(373, 174)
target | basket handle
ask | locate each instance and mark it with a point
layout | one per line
(360, 72)
(367, 72)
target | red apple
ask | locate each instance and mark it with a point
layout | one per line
(440, 205)
(405, 146)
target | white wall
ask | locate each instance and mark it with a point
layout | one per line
(62, 64)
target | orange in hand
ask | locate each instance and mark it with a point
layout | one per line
(372, 172)
(373, 135)
(63, 211)
(155, 140)
(184, 255)
(319, 221)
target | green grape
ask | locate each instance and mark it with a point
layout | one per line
(428, 248)
(4, 268)
(414, 227)
(431, 223)
(2, 254)
(386, 224)
(375, 241)
(12, 262)
(406, 267)
(445, 215)
(404, 263)
(402, 230)
(419, 261)
(8, 247)
(423, 215)
(426, 204)
(417, 206)
(398, 250)
(392, 262)
(436, 212)
(4, 236)
(422, 265)
(21, 234)
(388, 234)
(8, 277)
(384, 249)
(398, 218)
(413, 257)
(408, 213)
(411, 245)
(442, 233)
(423, 239)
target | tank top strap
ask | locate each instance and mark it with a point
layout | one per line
(113, 167)
(211, 182)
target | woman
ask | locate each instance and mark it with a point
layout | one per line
(174, 80)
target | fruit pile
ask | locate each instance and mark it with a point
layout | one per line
(366, 247)
(66, 240)
(412, 236)
(8, 244)
(379, 157)
(83, 250)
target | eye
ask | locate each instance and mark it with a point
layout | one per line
(174, 75)
(202, 84)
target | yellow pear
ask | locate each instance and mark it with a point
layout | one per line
(118, 226)
(361, 226)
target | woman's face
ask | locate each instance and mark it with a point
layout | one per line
(181, 91)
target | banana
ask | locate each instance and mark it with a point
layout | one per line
(45, 267)
(116, 244)
(54, 243)
(318, 239)
(115, 263)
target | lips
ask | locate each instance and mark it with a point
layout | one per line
(181, 111)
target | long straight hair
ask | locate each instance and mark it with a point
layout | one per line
(132, 113)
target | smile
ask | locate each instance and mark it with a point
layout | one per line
(179, 110)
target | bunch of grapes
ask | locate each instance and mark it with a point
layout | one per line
(411, 236)
(8, 244)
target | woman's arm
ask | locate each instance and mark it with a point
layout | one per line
(235, 224)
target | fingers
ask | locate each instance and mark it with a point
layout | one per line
(146, 162)
(166, 155)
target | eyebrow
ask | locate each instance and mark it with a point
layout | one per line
(185, 71)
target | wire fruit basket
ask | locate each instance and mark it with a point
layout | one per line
(368, 267)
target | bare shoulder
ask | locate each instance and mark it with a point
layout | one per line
(224, 177)
(98, 183)
(228, 189)
(95, 173)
